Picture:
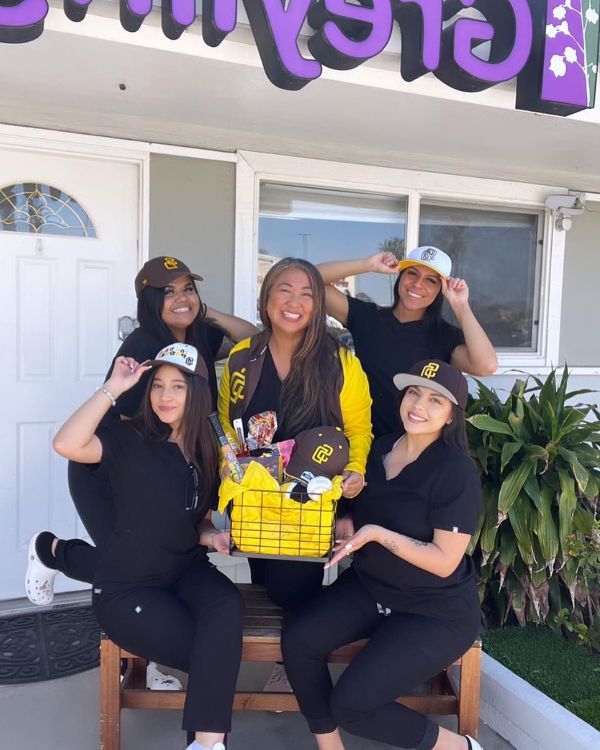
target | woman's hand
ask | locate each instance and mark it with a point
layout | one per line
(344, 547)
(352, 484)
(344, 528)
(456, 291)
(125, 374)
(221, 541)
(385, 262)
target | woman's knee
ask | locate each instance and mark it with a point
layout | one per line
(300, 638)
(346, 708)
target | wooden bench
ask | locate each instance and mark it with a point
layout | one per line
(451, 693)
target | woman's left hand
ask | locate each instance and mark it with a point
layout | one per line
(221, 541)
(344, 547)
(456, 291)
(352, 484)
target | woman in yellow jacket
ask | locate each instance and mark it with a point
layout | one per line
(295, 368)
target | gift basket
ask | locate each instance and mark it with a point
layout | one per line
(282, 501)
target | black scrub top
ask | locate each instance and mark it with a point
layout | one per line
(440, 490)
(142, 345)
(385, 347)
(266, 398)
(155, 539)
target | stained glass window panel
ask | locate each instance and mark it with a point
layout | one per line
(36, 208)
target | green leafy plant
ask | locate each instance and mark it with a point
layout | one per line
(540, 471)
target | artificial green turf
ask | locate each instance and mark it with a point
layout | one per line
(564, 671)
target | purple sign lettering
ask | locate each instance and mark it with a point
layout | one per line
(551, 47)
(133, 12)
(276, 31)
(22, 21)
(519, 28)
(219, 18)
(509, 29)
(75, 10)
(347, 35)
(176, 16)
(421, 25)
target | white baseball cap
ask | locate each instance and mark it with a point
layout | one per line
(430, 257)
(183, 356)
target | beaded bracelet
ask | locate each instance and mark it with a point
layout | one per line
(108, 394)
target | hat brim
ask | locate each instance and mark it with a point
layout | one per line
(404, 380)
(195, 276)
(179, 366)
(402, 264)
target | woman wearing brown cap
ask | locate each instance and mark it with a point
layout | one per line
(155, 591)
(388, 340)
(169, 309)
(411, 589)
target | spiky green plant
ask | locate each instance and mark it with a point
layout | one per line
(540, 472)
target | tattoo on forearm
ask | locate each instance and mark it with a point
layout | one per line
(419, 543)
(390, 545)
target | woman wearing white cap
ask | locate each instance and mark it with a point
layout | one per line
(390, 340)
(155, 591)
(169, 309)
(411, 589)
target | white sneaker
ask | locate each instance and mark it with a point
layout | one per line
(278, 681)
(39, 579)
(473, 744)
(157, 680)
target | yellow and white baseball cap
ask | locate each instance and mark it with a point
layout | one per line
(430, 257)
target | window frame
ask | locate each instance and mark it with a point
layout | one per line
(254, 168)
(539, 214)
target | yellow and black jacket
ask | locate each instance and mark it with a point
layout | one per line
(242, 373)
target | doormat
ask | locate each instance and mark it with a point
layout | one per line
(49, 644)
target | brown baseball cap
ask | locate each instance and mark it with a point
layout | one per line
(320, 451)
(161, 271)
(439, 376)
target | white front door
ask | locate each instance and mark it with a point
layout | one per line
(62, 297)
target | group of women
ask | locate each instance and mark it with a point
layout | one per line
(143, 473)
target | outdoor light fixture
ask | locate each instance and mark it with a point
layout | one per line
(564, 207)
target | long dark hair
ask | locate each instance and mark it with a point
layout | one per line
(310, 393)
(198, 440)
(432, 314)
(455, 433)
(149, 315)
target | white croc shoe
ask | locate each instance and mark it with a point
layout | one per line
(157, 680)
(473, 744)
(39, 579)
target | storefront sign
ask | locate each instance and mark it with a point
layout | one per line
(549, 46)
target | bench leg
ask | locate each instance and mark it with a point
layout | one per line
(110, 695)
(469, 685)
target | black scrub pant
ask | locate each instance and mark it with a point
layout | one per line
(289, 583)
(92, 496)
(193, 624)
(404, 650)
